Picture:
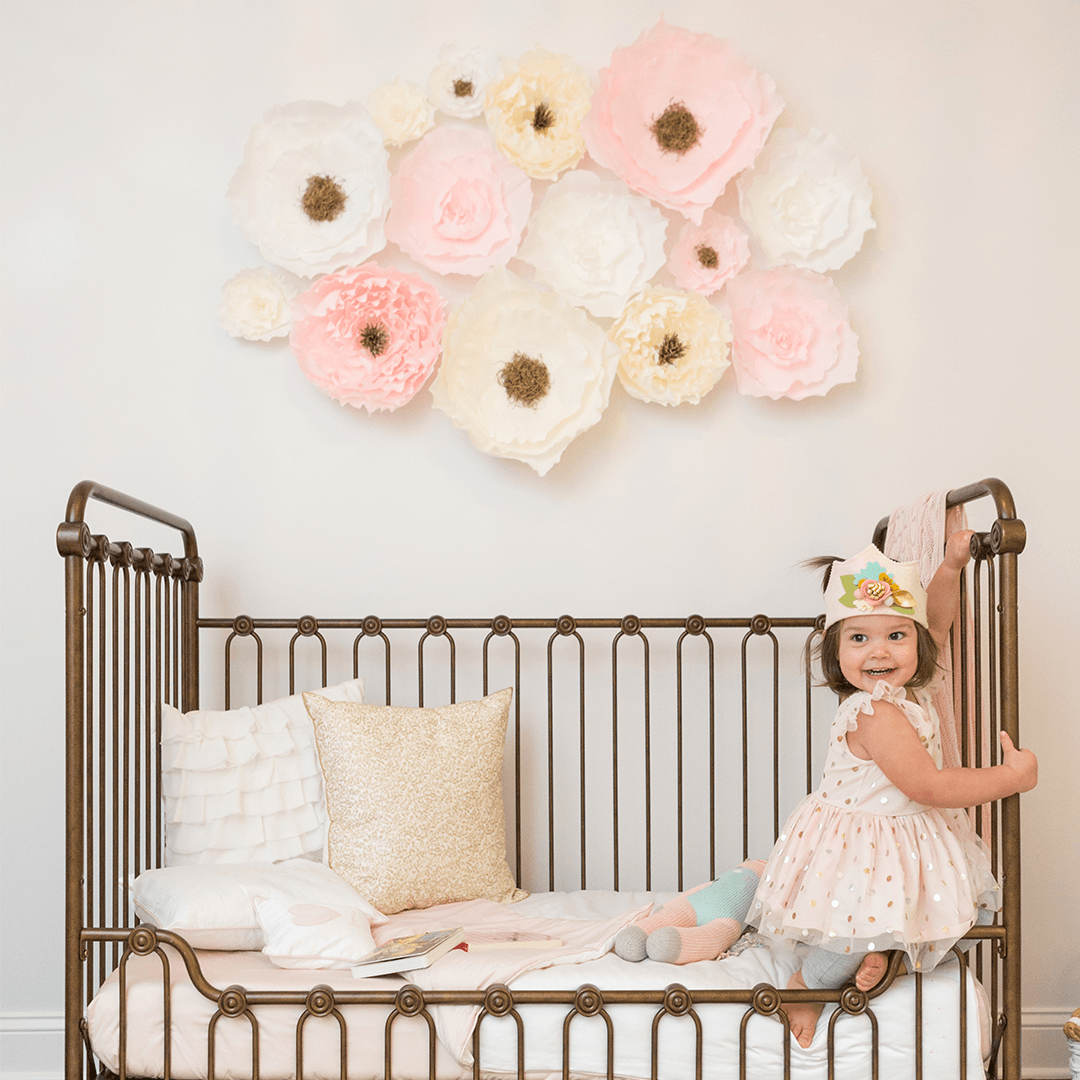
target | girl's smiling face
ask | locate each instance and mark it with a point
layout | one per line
(878, 647)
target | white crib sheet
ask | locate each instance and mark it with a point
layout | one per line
(191, 1014)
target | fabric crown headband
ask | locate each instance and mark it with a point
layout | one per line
(871, 583)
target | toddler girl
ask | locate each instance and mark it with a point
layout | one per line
(882, 855)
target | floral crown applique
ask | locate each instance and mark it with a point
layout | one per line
(873, 584)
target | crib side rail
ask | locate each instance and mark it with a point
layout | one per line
(130, 644)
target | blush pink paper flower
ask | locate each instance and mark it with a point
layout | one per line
(705, 256)
(367, 336)
(792, 336)
(677, 115)
(457, 206)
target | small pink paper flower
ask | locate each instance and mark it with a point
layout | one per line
(677, 115)
(707, 255)
(792, 336)
(457, 205)
(367, 336)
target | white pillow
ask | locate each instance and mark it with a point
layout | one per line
(244, 785)
(213, 907)
(314, 935)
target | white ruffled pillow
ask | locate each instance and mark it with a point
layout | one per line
(244, 785)
(319, 935)
(213, 907)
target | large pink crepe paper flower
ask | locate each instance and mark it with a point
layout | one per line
(313, 188)
(792, 336)
(367, 336)
(677, 115)
(457, 205)
(806, 200)
(706, 256)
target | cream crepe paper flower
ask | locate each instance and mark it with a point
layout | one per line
(806, 200)
(402, 110)
(314, 187)
(594, 243)
(674, 347)
(255, 305)
(522, 372)
(457, 84)
(535, 112)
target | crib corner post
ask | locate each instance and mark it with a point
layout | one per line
(71, 544)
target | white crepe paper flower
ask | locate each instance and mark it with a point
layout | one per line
(535, 112)
(806, 200)
(673, 346)
(523, 372)
(314, 187)
(402, 110)
(457, 84)
(594, 243)
(255, 305)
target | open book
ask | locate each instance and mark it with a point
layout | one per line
(408, 953)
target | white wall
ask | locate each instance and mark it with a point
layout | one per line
(122, 124)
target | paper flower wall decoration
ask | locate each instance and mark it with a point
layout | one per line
(806, 200)
(367, 336)
(792, 336)
(704, 257)
(478, 185)
(594, 243)
(673, 347)
(255, 305)
(677, 115)
(459, 81)
(535, 112)
(523, 372)
(402, 110)
(457, 205)
(314, 187)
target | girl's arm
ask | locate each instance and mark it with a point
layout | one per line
(943, 592)
(888, 738)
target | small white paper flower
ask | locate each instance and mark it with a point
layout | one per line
(673, 347)
(314, 187)
(535, 112)
(402, 110)
(523, 372)
(806, 200)
(457, 84)
(594, 243)
(255, 305)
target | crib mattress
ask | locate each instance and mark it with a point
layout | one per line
(632, 1024)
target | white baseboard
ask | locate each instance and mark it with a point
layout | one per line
(32, 1045)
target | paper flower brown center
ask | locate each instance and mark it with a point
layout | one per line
(323, 199)
(463, 88)
(675, 129)
(374, 338)
(671, 349)
(707, 257)
(543, 117)
(524, 379)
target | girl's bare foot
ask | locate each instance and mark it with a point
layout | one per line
(802, 1015)
(870, 971)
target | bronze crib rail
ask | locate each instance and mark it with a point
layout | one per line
(679, 692)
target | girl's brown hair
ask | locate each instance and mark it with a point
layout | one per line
(826, 649)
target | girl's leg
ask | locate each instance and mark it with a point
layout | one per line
(825, 970)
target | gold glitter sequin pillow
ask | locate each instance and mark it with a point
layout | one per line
(415, 800)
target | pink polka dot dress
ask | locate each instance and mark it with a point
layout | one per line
(859, 866)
